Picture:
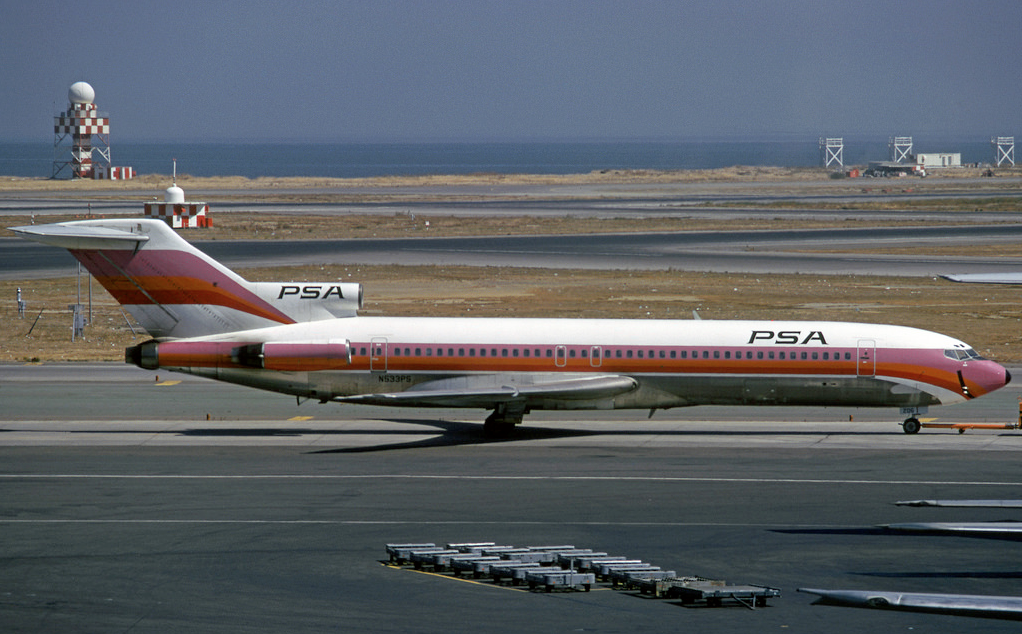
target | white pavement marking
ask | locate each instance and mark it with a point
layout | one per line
(475, 478)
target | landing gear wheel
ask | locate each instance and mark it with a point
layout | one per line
(911, 426)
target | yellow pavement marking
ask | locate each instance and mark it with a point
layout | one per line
(298, 419)
(168, 383)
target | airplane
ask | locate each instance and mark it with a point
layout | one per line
(308, 340)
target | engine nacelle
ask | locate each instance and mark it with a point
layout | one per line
(300, 356)
(294, 357)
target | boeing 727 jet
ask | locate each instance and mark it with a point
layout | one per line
(308, 340)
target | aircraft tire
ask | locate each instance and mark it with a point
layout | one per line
(911, 426)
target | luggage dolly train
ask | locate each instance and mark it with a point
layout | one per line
(565, 567)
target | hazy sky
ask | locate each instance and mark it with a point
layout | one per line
(508, 69)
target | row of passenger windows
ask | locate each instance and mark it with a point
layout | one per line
(616, 353)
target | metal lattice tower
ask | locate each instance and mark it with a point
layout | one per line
(832, 151)
(901, 148)
(1004, 150)
(73, 132)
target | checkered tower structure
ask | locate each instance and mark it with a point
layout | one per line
(80, 123)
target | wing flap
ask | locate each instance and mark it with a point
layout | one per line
(483, 392)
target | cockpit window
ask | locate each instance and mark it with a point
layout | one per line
(962, 354)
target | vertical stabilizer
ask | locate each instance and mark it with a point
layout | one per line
(169, 286)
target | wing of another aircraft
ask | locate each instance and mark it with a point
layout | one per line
(990, 607)
(989, 529)
(986, 278)
(975, 529)
(484, 391)
(980, 504)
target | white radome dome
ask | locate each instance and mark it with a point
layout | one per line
(81, 92)
(175, 195)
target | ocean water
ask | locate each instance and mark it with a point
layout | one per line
(348, 160)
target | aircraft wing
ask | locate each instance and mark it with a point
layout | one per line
(484, 392)
(990, 607)
(984, 504)
(988, 529)
(986, 278)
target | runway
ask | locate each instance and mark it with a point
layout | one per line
(124, 508)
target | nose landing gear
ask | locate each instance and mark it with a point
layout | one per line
(911, 425)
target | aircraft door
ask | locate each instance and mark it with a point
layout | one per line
(378, 354)
(595, 356)
(866, 357)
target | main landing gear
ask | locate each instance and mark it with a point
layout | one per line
(501, 422)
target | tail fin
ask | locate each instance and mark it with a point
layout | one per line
(174, 290)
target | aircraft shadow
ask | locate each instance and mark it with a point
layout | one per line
(453, 433)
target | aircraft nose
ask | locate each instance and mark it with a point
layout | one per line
(1007, 376)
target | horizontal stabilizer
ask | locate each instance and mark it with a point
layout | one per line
(482, 392)
(76, 236)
